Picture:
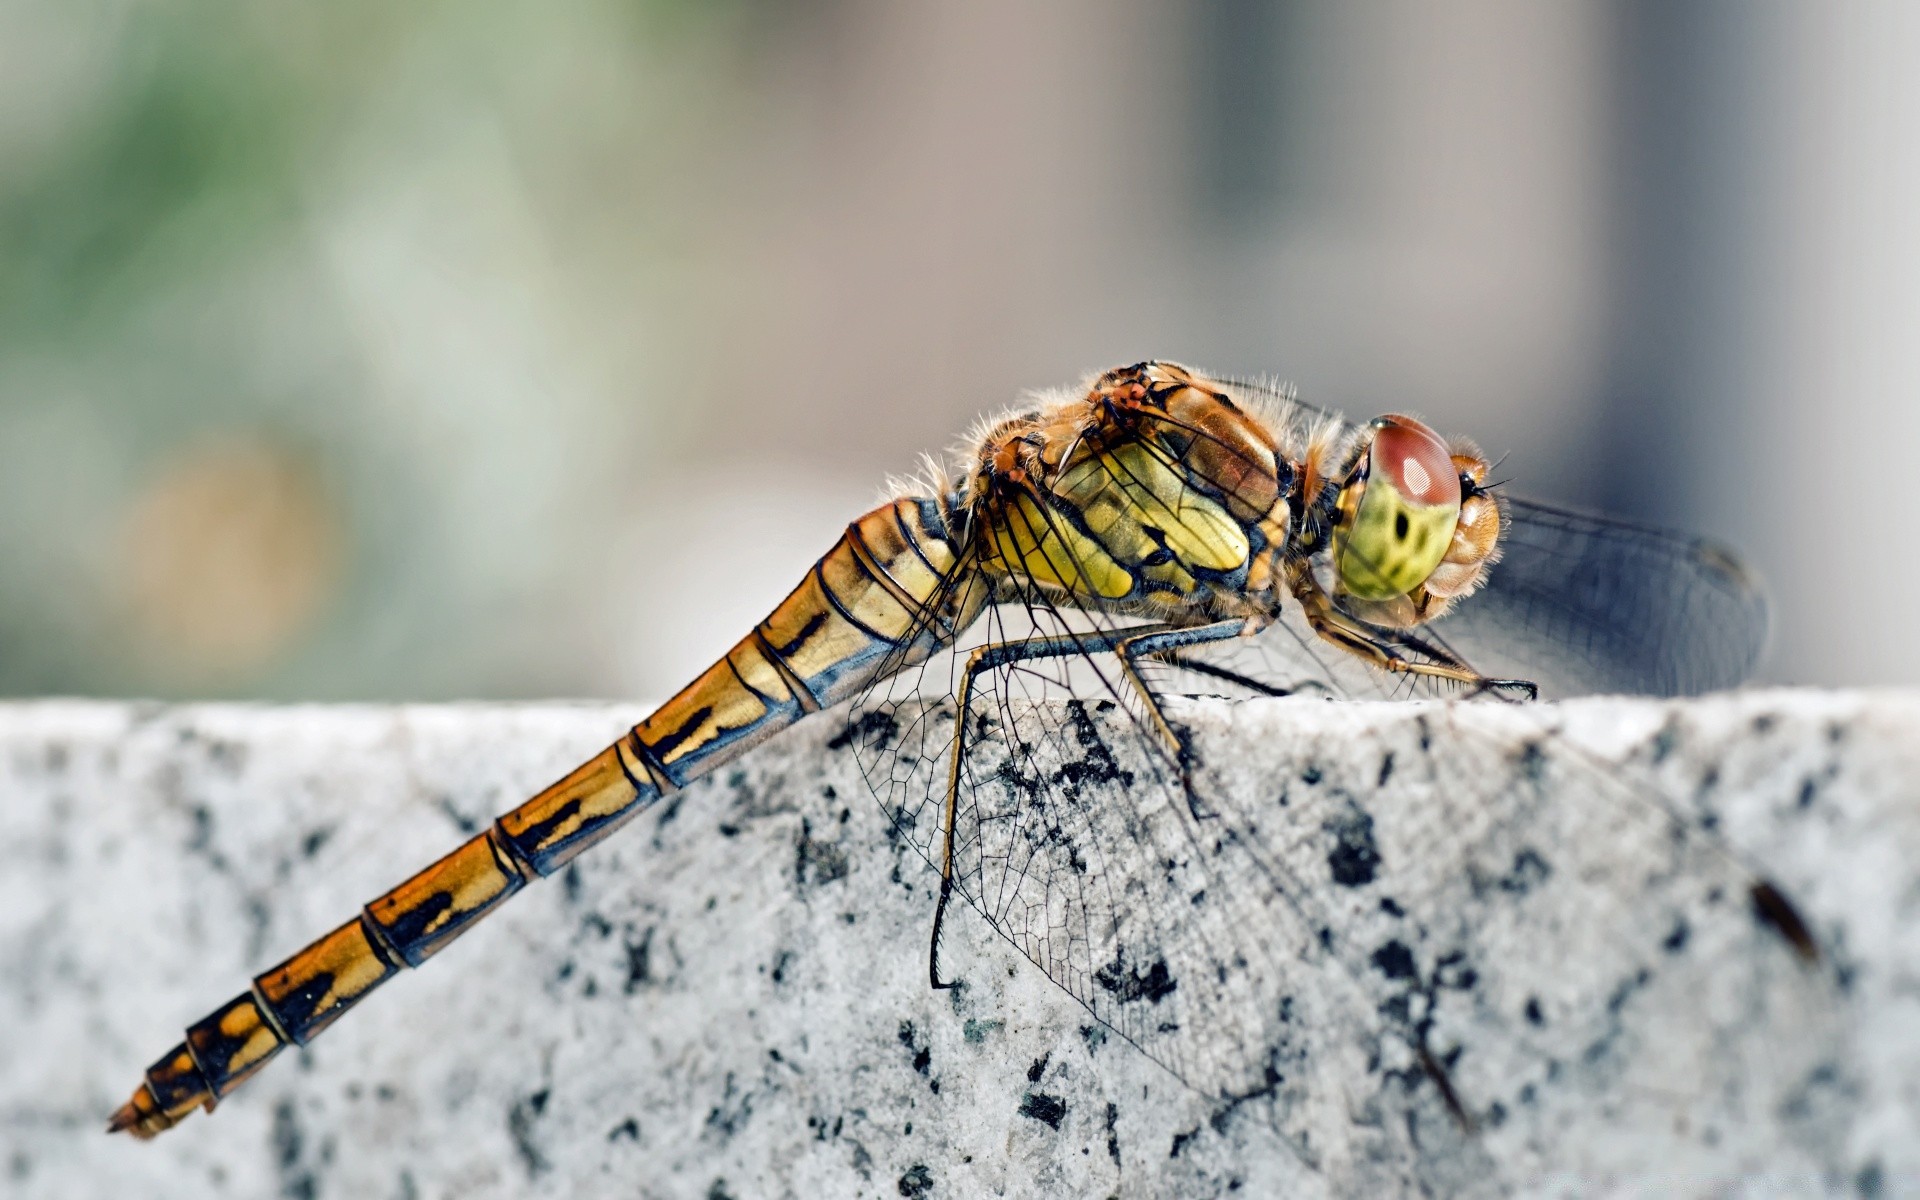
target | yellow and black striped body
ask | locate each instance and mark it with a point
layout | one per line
(884, 597)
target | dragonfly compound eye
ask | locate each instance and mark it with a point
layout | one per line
(1403, 518)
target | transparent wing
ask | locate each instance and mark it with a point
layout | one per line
(1076, 840)
(1533, 918)
(1337, 921)
(1337, 928)
(1582, 604)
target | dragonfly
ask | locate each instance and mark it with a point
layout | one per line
(1090, 545)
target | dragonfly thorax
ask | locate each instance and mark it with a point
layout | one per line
(1150, 491)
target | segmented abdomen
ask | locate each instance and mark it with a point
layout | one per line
(878, 600)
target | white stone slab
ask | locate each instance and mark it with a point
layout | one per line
(730, 997)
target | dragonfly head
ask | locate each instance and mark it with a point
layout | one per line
(1415, 530)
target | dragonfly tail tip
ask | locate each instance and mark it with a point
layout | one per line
(141, 1116)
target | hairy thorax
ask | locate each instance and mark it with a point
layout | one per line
(1150, 492)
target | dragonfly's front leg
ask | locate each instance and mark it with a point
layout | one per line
(993, 657)
(1387, 649)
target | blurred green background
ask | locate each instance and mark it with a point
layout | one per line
(497, 350)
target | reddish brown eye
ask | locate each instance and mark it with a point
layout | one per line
(1414, 459)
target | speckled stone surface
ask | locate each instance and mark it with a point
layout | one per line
(730, 997)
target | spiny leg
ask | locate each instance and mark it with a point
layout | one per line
(1151, 643)
(1214, 671)
(1386, 648)
(992, 657)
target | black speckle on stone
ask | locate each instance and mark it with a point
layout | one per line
(1038, 1068)
(1624, 991)
(917, 1181)
(1312, 775)
(1776, 912)
(1127, 985)
(461, 821)
(1531, 761)
(1809, 789)
(873, 730)
(1355, 858)
(1386, 769)
(1048, 1110)
(639, 956)
(728, 831)
(730, 1116)
(287, 1141)
(1534, 1015)
(1394, 960)
(718, 1190)
(825, 861)
(520, 1122)
(310, 845)
(922, 1053)
(781, 962)
(1113, 1135)
(1870, 1181)
(1529, 871)
(296, 1181)
(1391, 907)
(570, 883)
(1676, 939)
(200, 840)
(628, 1129)
(1180, 1141)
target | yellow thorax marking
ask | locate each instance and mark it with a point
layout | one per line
(1127, 489)
(1049, 550)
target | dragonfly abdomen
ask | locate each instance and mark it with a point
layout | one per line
(883, 597)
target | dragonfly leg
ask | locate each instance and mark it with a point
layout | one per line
(1166, 643)
(993, 657)
(1200, 666)
(1387, 649)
